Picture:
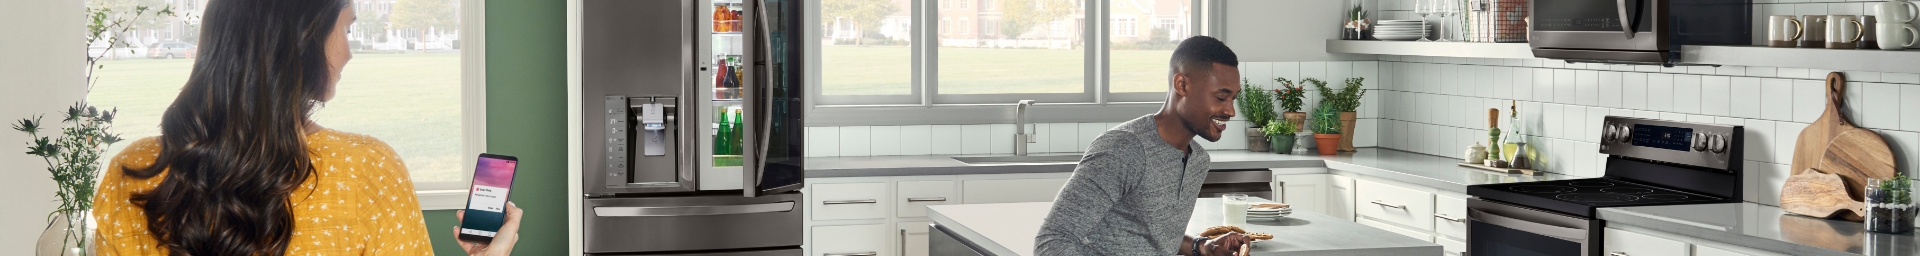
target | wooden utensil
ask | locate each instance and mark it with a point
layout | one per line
(1821, 195)
(1834, 145)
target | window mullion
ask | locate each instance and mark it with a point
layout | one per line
(926, 51)
(1098, 18)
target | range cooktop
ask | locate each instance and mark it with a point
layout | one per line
(1581, 196)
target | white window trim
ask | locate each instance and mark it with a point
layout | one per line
(473, 110)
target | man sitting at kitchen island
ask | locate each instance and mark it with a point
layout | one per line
(1136, 186)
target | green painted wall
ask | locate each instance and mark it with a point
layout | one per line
(526, 118)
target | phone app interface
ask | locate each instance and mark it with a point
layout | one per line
(486, 209)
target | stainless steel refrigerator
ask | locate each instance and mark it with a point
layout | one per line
(692, 127)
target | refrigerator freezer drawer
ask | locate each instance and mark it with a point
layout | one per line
(692, 223)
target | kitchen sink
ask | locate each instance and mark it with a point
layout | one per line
(1018, 159)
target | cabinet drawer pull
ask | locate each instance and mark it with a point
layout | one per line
(863, 201)
(927, 199)
(1402, 207)
(852, 254)
(1617, 254)
(1444, 217)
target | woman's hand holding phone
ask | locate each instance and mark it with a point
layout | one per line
(502, 242)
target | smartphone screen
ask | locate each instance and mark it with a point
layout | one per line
(487, 200)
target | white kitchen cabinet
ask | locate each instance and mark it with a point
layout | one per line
(1306, 192)
(1449, 216)
(1010, 190)
(1451, 247)
(1627, 243)
(1711, 251)
(914, 196)
(849, 201)
(913, 238)
(1415, 234)
(851, 240)
(1339, 202)
(1394, 204)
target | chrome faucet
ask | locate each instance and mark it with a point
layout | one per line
(1020, 136)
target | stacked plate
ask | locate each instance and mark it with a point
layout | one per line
(1269, 210)
(1400, 30)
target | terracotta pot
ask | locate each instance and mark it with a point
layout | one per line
(1299, 119)
(1256, 140)
(1346, 131)
(1327, 142)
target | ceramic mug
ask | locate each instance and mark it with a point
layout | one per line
(1870, 37)
(1897, 11)
(1844, 31)
(1897, 36)
(1784, 31)
(1815, 31)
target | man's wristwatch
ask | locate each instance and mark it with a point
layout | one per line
(1198, 243)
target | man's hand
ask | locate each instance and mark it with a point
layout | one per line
(502, 241)
(1226, 245)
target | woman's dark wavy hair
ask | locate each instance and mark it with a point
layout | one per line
(232, 149)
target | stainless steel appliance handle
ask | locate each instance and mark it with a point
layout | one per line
(861, 201)
(665, 211)
(852, 254)
(1444, 217)
(1402, 207)
(1527, 226)
(1629, 22)
(1617, 254)
(927, 199)
(753, 142)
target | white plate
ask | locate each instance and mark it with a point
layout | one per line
(1397, 37)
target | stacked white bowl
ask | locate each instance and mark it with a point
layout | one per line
(1400, 30)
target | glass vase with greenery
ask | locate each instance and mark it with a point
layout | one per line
(1890, 207)
(73, 158)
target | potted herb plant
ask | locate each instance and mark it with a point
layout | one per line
(1291, 98)
(1326, 129)
(1257, 104)
(1890, 207)
(1344, 102)
(1281, 133)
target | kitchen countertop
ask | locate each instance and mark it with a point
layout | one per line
(1418, 169)
(1763, 227)
(1010, 229)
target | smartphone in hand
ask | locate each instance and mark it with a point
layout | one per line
(487, 198)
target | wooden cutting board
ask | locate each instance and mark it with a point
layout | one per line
(1820, 195)
(1834, 145)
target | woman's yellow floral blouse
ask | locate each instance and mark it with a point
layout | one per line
(359, 201)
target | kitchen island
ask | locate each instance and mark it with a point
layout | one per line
(1009, 229)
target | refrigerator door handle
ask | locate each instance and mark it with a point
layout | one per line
(668, 211)
(754, 93)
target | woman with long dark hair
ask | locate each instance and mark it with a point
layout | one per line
(241, 169)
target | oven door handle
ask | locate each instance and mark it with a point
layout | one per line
(1567, 233)
(704, 210)
(1630, 20)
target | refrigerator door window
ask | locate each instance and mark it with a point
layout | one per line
(775, 127)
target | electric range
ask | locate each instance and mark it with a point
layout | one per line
(1649, 162)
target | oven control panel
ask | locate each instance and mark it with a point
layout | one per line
(1697, 144)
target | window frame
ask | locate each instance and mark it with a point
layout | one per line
(451, 195)
(924, 94)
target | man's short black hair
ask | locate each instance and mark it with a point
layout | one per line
(1197, 54)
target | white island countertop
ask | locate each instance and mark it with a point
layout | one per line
(1009, 229)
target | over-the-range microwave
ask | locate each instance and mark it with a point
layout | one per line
(1635, 31)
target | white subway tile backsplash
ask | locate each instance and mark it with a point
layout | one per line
(1745, 97)
(974, 139)
(856, 141)
(1258, 73)
(1786, 134)
(1660, 92)
(1763, 182)
(1763, 71)
(1558, 113)
(1042, 141)
(1715, 93)
(1566, 86)
(1809, 100)
(1543, 85)
(823, 141)
(1863, 76)
(1609, 90)
(1000, 139)
(1366, 131)
(1906, 149)
(1522, 83)
(1795, 73)
(1879, 106)
(1700, 70)
(917, 140)
(1587, 87)
(1731, 70)
(1288, 70)
(1761, 140)
(1369, 70)
(1338, 72)
(1087, 133)
(1314, 70)
(1633, 90)
(1686, 94)
(1064, 137)
(1776, 99)
(886, 141)
(952, 139)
